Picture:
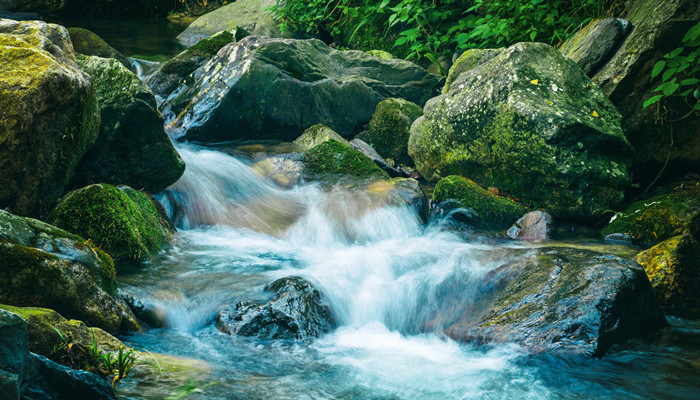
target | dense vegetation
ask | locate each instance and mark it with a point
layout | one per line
(418, 29)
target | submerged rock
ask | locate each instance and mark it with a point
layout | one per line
(400, 192)
(569, 300)
(128, 224)
(534, 226)
(49, 115)
(44, 266)
(673, 267)
(132, 147)
(332, 158)
(529, 122)
(88, 43)
(285, 170)
(295, 311)
(263, 88)
(491, 208)
(658, 218)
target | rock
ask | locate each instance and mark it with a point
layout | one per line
(453, 212)
(44, 266)
(389, 129)
(171, 74)
(14, 353)
(657, 28)
(251, 15)
(132, 147)
(147, 312)
(400, 192)
(467, 61)
(563, 300)
(43, 339)
(656, 219)
(285, 170)
(535, 226)
(529, 122)
(442, 66)
(316, 135)
(49, 115)
(593, 45)
(262, 88)
(49, 380)
(89, 44)
(335, 159)
(130, 225)
(491, 208)
(673, 267)
(370, 152)
(295, 311)
(385, 55)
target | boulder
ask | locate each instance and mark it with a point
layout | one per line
(332, 158)
(657, 29)
(380, 54)
(491, 208)
(49, 380)
(468, 60)
(673, 267)
(389, 129)
(563, 300)
(130, 225)
(400, 192)
(534, 226)
(49, 115)
(316, 135)
(14, 353)
(529, 122)
(171, 74)
(44, 266)
(370, 152)
(262, 88)
(88, 43)
(594, 44)
(251, 15)
(295, 311)
(658, 218)
(132, 147)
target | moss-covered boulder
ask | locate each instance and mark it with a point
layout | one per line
(658, 28)
(316, 135)
(658, 218)
(132, 147)
(251, 15)
(265, 88)
(400, 192)
(385, 55)
(492, 208)
(48, 115)
(88, 43)
(673, 267)
(332, 158)
(44, 266)
(468, 60)
(562, 300)
(389, 129)
(128, 224)
(529, 122)
(173, 72)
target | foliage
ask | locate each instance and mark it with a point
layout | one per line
(679, 71)
(432, 28)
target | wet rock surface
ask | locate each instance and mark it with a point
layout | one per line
(533, 226)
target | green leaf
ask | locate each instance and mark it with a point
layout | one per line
(697, 106)
(532, 36)
(652, 100)
(670, 88)
(690, 81)
(668, 74)
(692, 34)
(658, 67)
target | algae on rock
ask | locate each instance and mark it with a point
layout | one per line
(334, 158)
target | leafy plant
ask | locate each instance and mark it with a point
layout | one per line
(679, 71)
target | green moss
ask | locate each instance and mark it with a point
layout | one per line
(128, 230)
(316, 135)
(468, 60)
(493, 209)
(389, 128)
(384, 55)
(659, 218)
(333, 158)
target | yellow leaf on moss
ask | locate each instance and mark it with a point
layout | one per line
(535, 82)
(595, 114)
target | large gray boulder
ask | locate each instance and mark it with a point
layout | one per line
(48, 115)
(44, 266)
(563, 300)
(132, 147)
(251, 15)
(593, 45)
(529, 122)
(262, 88)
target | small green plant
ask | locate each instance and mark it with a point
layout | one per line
(679, 71)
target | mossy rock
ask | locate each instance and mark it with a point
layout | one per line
(316, 135)
(673, 267)
(44, 266)
(658, 218)
(335, 159)
(132, 147)
(49, 116)
(389, 129)
(384, 55)
(88, 43)
(125, 223)
(468, 60)
(493, 209)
